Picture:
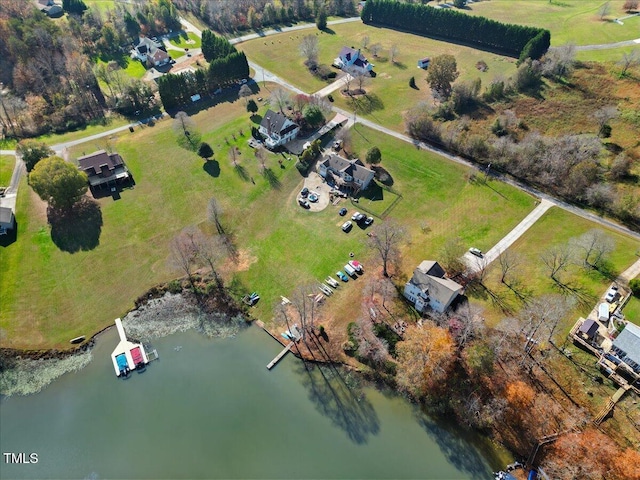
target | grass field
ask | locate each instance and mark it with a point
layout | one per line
(613, 55)
(112, 122)
(390, 89)
(50, 295)
(556, 227)
(632, 310)
(570, 21)
(7, 162)
(101, 5)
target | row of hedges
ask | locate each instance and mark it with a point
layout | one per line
(514, 40)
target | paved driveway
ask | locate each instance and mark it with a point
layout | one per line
(316, 184)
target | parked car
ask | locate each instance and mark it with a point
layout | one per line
(368, 221)
(346, 226)
(342, 212)
(337, 145)
(304, 192)
(611, 294)
(243, 81)
(355, 216)
(475, 251)
(303, 203)
(217, 91)
(342, 276)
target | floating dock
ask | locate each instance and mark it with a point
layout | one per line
(127, 356)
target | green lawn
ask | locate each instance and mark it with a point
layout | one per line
(50, 296)
(101, 5)
(570, 21)
(186, 40)
(632, 310)
(114, 121)
(438, 202)
(556, 227)
(390, 89)
(608, 55)
(7, 163)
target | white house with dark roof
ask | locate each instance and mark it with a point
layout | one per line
(352, 59)
(350, 174)
(277, 129)
(102, 167)
(429, 287)
(150, 52)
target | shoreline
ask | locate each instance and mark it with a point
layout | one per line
(157, 313)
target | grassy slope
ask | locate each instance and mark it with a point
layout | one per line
(7, 163)
(554, 228)
(54, 296)
(570, 21)
(114, 121)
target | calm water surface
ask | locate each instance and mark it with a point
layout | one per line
(212, 410)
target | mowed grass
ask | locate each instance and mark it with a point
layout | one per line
(101, 5)
(114, 121)
(438, 202)
(632, 310)
(186, 40)
(7, 162)
(556, 227)
(609, 55)
(390, 89)
(569, 21)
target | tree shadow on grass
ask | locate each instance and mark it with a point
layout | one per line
(272, 179)
(242, 172)
(382, 175)
(347, 407)
(77, 228)
(212, 167)
(455, 446)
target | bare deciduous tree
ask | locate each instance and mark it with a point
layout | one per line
(629, 60)
(604, 10)
(280, 98)
(594, 247)
(385, 239)
(244, 92)
(375, 49)
(541, 316)
(361, 78)
(509, 263)
(451, 256)
(604, 115)
(558, 62)
(364, 43)
(309, 50)
(261, 155)
(183, 253)
(233, 156)
(393, 53)
(214, 213)
(557, 259)
(303, 300)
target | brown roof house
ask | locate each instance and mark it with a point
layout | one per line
(102, 167)
(351, 174)
(150, 52)
(429, 287)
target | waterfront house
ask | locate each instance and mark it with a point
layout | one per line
(429, 287)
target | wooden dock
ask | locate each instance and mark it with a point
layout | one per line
(284, 351)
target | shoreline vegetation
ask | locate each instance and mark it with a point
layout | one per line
(161, 311)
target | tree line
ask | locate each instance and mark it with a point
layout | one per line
(229, 17)
(515, 40)
(226, 65)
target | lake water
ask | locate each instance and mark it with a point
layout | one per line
(212, 410)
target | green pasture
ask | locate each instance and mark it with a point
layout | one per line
(569, 21)
(556, 227)
(186, 40)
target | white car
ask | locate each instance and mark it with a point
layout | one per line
(611, 294)
(475, 251)
(355, 216)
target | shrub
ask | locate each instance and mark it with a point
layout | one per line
(174, 286)
(412, 82)
(635, 286)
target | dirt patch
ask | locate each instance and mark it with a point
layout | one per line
(241, 264)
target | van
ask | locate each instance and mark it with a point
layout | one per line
(603, 312)
(350, 270)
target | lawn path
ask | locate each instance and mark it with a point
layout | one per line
(630, 273)
(476, 264)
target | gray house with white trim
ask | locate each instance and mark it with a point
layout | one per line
(430, 287)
